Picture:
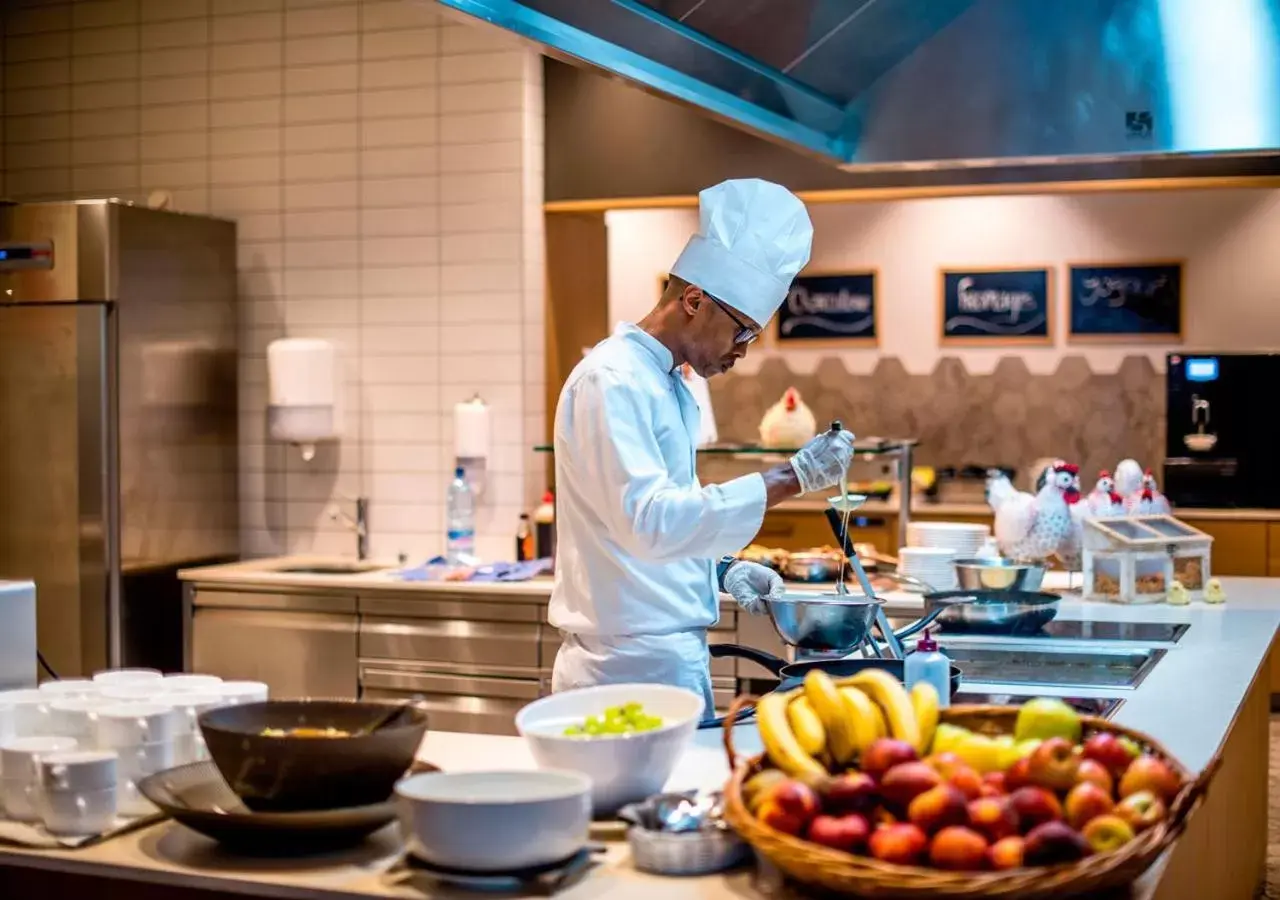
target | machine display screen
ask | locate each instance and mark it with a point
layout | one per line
(1203, 368)
(26, 256)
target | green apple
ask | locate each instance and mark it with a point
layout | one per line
(1047, 717)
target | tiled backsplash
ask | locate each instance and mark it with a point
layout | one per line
(1010, 417)
(384, 164)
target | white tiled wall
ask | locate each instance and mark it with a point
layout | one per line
(384, 163)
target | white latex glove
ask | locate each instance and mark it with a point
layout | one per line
(822, 462)
(751, 584)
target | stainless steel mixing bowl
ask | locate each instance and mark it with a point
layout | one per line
(832, 623)
(997, 574)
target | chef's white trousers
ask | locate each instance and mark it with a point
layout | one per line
(680, 659)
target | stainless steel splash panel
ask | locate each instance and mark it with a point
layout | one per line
(943, 84)
(117, 413)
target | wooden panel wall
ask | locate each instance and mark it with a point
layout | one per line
(577, 297)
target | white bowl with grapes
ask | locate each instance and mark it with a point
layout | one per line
(627, 738)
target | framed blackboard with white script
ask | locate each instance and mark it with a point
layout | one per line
(996, 306)
(829, 308)
(1126, 301)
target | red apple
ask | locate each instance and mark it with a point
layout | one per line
(1035, 806)
(788, 806)
(997, 781)
(903, 843)
(1141, 810)
(1107, 749)
(1146, 773)
(937, 808)
(1053, 765)
(1054, 843)
(1095, 772)
(884, 754)
(903, 783)
(1018, 775)
(1086, 802)
(1006, 853)
(1106, 834)
(848, 833)
(993, 817)
(854, 792)
(958, 849)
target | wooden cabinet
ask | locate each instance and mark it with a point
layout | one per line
(1273, 549)
(805, 529)
(1239, 548)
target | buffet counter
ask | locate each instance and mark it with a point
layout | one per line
(1207, 697)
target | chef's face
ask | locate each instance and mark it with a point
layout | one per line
(718, 334)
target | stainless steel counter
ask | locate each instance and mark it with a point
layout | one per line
(472, 653)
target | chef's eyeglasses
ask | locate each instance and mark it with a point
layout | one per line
(746, 334)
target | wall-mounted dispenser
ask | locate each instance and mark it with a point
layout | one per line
(471, 441)
(302, 375)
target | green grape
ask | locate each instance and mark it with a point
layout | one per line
(629, 718)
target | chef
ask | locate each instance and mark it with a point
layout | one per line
(642, 550)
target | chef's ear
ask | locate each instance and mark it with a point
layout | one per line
(691, 299)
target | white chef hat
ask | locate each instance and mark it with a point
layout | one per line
(753, 237)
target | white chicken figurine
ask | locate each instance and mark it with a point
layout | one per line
(1147, 500)
(788, 423)
(1104, 500)
(1128, 478)
(1033, 528)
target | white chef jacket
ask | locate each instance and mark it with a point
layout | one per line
(637, 536)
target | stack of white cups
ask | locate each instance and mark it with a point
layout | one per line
(145, 736)
(72, 753)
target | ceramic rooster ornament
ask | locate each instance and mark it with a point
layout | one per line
(788, 423)
(1104, 500)
(1147, 500)
(1035, 527)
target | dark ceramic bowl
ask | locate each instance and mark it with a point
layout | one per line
(288, 774)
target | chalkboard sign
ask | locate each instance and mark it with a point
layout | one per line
(1136, 301)
(829, 307)
(1002, 306)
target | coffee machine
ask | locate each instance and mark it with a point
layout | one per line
(1221, 437)
(17, 635)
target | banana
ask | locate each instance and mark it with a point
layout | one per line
(892, 697)
(868, 721)
(824, 697)
(924, 703)
(807, 726)
(779, 741)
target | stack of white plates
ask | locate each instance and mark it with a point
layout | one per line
(935, 566)
(962, 538)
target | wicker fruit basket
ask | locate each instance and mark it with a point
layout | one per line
(864, 876)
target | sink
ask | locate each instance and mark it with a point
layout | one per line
(1105, 707)
(1079, 668)
(331, 569)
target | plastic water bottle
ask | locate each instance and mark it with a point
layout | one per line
(460, 524)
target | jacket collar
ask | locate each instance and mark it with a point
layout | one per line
(651, 345)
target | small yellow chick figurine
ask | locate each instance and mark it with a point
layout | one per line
(1213, 592)
(1178, 595)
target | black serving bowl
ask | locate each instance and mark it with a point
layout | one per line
(292, 773)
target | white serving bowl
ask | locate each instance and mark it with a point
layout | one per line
(495, 821)
(625, 768)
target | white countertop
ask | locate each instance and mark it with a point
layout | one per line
(1187, 702)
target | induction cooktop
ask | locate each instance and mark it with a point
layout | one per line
(1068, 629)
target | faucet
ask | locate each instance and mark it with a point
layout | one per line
(360, 524)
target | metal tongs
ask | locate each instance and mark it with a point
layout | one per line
(847, 503)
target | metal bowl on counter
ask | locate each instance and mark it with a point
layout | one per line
(999, 574)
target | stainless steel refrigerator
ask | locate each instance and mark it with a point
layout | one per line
(118, 424)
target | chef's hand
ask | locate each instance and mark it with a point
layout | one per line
(822, 462)
(751, 584)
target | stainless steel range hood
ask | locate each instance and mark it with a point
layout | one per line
(944, 84)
